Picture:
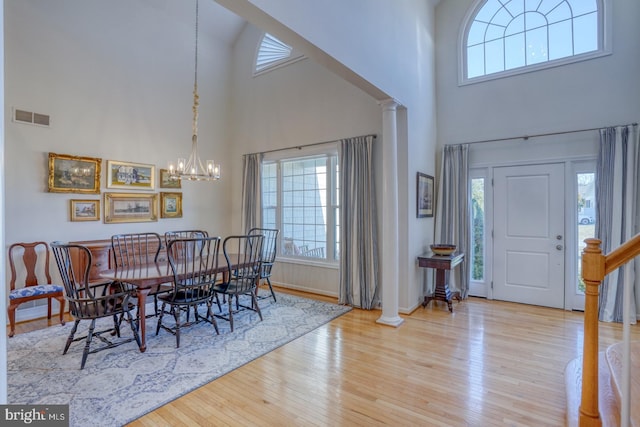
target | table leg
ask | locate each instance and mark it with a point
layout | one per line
(442, 291)
(142, 317)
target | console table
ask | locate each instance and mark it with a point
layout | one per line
(441, 263)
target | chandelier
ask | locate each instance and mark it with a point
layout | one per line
(193, 169)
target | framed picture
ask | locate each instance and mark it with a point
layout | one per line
(130, 176)
(170, 205)
(424, 195)
(165, 182)
(74, 174)
(130, 207)
(85, 210)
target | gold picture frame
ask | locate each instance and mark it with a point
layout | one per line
(74, 174)
(84, 210)
(130, 207)
(165, 182)
(130, 176)
(170, 205)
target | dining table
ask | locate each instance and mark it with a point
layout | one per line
(148, 277)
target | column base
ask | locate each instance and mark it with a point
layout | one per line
(390, 321)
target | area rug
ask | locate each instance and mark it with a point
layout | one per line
(121, 384)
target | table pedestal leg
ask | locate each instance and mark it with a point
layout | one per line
(442, 291)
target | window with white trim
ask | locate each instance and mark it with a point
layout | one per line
(300, 198)
(506, 37)
(273, 53)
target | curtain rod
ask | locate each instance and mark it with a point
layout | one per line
(526, 137)
(300, 147)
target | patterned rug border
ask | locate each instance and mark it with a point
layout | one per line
(28, 366)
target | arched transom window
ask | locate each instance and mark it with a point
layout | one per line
(503, 36)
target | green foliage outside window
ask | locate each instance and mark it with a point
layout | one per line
(477, 212)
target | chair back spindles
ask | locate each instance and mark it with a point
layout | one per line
(74, 281)
(194, 263)
(269, 248)
(248, 250)
(183, 234)
(135, 249)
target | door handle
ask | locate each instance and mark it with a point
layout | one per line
(559, 247)
(559, 237)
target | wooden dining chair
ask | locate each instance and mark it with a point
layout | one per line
(194, 263)
(243, 256)
(30, 279)
(135, 249)
(185, 234)
(92, 301)
(268, 256)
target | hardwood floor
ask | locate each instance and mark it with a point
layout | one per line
(489, 363)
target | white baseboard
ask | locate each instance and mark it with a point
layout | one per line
(304, 289)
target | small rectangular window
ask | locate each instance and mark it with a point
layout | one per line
(478, 229)
(586, 213)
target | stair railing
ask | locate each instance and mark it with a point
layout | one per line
(595, 266)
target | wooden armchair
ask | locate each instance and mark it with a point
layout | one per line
(31, 260)
(92, 301)
(194, 263)
(243, 275)
(268, 256)
(136, 249)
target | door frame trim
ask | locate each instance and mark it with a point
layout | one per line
(570, 253)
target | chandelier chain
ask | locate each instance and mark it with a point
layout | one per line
(193, 169)
(196, 97)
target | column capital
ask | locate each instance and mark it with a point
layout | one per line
(389, 104)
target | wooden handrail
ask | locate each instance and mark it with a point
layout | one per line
(595, 266)
(622, 254)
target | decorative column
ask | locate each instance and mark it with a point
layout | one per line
(389, 205)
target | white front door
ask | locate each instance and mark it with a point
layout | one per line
(529, 238)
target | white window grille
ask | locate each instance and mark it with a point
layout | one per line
(506, 37)
(299, 197)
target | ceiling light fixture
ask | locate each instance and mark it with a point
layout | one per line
(193, 169)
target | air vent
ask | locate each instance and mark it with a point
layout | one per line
(22, 116)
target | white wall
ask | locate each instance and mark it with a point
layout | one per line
(386, 49)
(117, 79)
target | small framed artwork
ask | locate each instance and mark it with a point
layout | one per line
(85, 210)
(424, 195)
(130, 176)
(74, 174)
(130, 207)
(165, 182)
(170, 205)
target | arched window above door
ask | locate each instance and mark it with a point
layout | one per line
(505, 37)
